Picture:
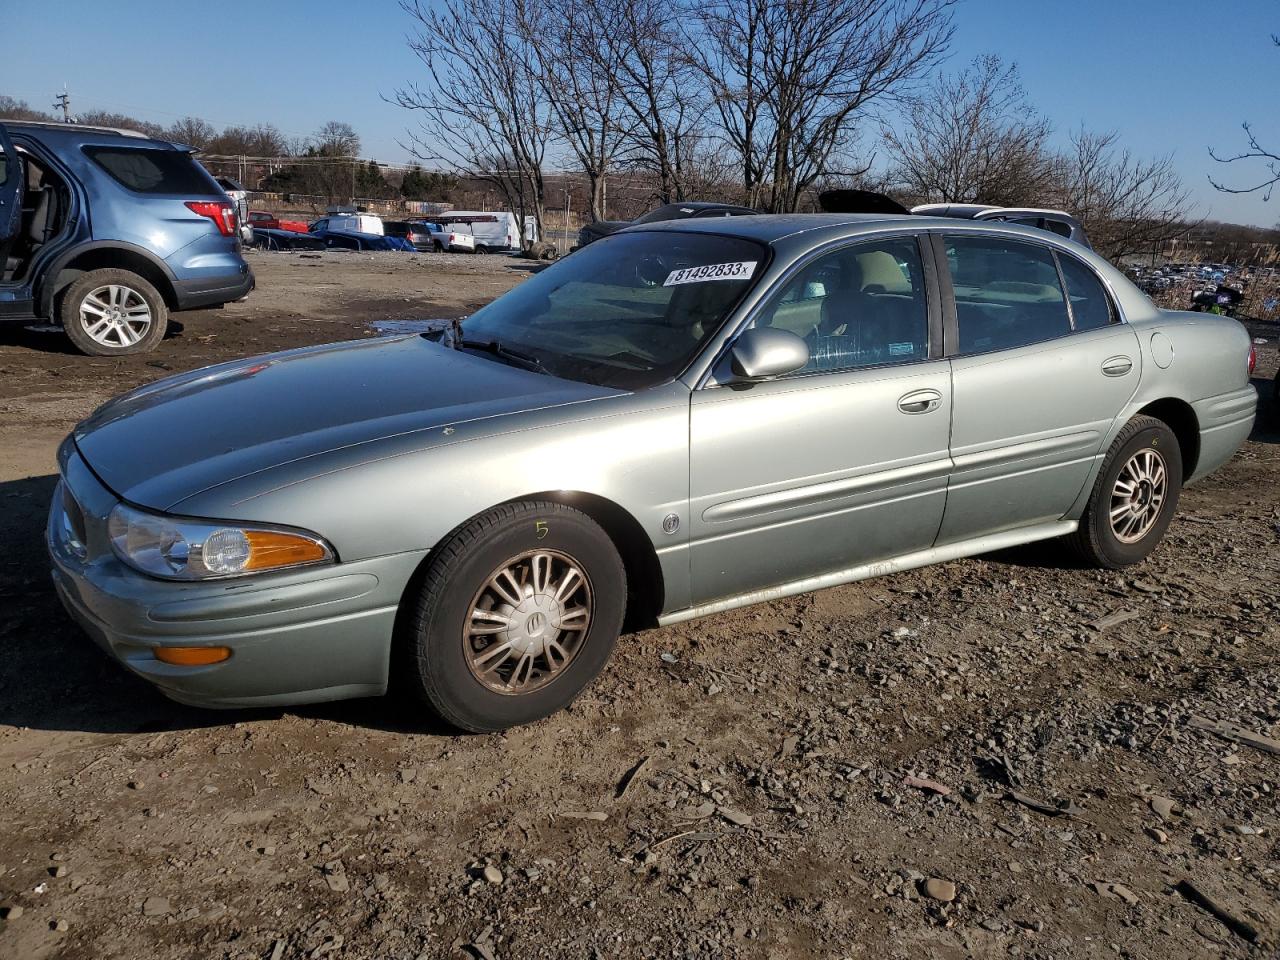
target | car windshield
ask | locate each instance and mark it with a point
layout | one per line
(629, 311)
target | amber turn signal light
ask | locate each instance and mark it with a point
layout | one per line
(269, 549)
(192, 656)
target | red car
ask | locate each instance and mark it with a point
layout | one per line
(269, 221)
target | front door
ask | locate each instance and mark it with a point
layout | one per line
(842, 463)
(1041, 368)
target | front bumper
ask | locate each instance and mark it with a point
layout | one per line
(319, 633)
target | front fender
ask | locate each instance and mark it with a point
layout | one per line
(406, 493)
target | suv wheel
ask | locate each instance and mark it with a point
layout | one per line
(1134, 498)
(110, 313)
(519, 610)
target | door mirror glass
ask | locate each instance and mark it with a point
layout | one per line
(765, 352)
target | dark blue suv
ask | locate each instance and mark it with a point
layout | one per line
(107, 232)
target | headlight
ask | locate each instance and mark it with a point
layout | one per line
(177, 549)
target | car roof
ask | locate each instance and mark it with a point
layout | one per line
(82, 131)
(814, 229)
(705, 205)
(771, 227)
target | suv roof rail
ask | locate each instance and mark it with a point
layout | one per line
(59, 125)
(1054, 221)
(868, 201)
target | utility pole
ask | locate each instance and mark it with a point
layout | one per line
(63, 102)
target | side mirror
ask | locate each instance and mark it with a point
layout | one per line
(765, 352)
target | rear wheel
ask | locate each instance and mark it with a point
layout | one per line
(1134, 497)
(108, 313)
(519, 610)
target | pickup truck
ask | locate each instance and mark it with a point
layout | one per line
(263, 220)
(452, 239)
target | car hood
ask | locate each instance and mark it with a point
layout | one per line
(175, 438)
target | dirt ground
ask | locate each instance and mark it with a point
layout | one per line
(735, 787)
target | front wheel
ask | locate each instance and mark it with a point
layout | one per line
(1134, 497)
(111, 313)
(519, 610)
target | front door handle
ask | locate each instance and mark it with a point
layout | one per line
(920, 401)
(1117, 366)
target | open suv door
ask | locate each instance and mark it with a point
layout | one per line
(12, 175)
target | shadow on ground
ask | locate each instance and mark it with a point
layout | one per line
(53, 677)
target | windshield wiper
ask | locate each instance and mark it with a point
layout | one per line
(517, 358)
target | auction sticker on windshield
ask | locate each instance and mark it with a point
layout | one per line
(712, 271)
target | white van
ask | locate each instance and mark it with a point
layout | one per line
(494, 230)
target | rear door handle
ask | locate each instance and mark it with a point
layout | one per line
(920, 401)
(1117, 366)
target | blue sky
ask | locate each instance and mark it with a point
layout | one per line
(1173, 76)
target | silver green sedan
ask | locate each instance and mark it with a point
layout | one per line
(677, 420)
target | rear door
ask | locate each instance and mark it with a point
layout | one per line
(12, 177)
(1041, 367)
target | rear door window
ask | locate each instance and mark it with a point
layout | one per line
(1007, 293)
(149, 170)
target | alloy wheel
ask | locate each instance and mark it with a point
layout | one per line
(1138, 496)
(527, 622)
(115, 315)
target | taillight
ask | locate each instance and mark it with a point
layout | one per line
(221, 212)
(1253, 358)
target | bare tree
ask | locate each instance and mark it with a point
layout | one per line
(192, 131)
(105, 118)
(1254, 151)
(337, 139)
(13, 109)
(483, 113)
(972, 137)
(571, 43)
(661, 99)
(264, 140)
(1126, 204)
(790, 79)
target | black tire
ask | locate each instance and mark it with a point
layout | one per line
(438, 669)
(69, 312)
(1095, 540)
(481, 251)
(437, 246)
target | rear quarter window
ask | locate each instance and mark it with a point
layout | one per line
(1090, 306)
(148, 170)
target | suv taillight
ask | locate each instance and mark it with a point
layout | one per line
(1253, 358)
(221, 212)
